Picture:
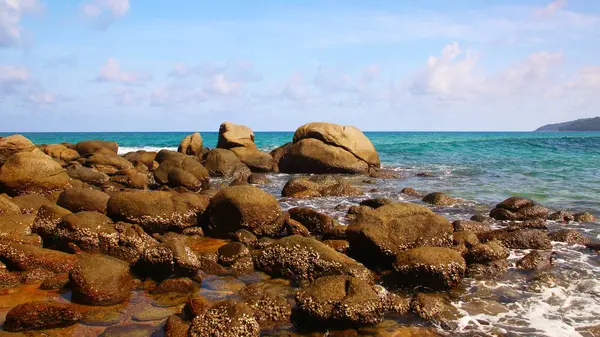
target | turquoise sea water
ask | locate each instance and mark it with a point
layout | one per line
(559, 169)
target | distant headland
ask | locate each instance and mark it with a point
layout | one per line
(584, 124)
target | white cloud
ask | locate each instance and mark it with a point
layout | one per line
(42, 98)
(219, 85)
(452, 75)
(551, 8)
(111, 72)
(295, 89)
(587, 78)
(235, 70)
(125, 96)
(11, 13)
(16, 82)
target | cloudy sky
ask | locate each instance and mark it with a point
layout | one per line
(158, 65)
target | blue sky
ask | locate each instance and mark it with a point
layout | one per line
(155, 65)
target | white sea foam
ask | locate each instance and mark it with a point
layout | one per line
(126, 149)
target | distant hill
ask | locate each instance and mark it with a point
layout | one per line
(584, 124)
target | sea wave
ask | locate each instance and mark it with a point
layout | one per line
(127, 149)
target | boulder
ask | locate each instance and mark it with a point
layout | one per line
(470, 225)
(100, 280)
(169, 160)
(109, 163)
(302, 258)
(41, 315)
(87, 175)
(13, 144)
(562, 216)
(226, 318)
(46, 219)
(317, 223)
(258, 179)
(517, 208)
(83, 199)
(278, 153)
(233, 135)
(31, 203)
(179, 177)
(172, 256)
(90, 147)
(27, 257)
(175, 326)
(15, 227)
(584, 217)
(439, 199)
(434, 268)
(145, 158)
(329, 148)
(269, 301)
(536, 260)
(377, 236)
(191, 145)
(319, 186)
(490, 251)
(256, 160)
(243, 207)
(518, 238)
(32, 172)
(157, 212)
(132, 178)
(484, 271)
(571, 236)
(61, 152)
(435, 308)
(339, 300)
(376, 202)
(8, 206)
(95, 233)
(222, 162)
(231, 252)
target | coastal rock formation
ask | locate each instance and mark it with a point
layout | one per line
(222, 162)
(435, 268)
(191, 145)
(243, 207)
(302, 258)
(319, 186)
(339, 300)
(100, 280)
(156, 211)
(378, 235)
(517, 208)
(329, 148)
(83, 199)
(41, 315)
(177, 169)
(14, 144)
(240, 140)
(87, 175)
(515, 238)
(439, 199)
(226, 318)
(32, 172)
(90, 147)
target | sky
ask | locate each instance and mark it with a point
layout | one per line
(183, 65)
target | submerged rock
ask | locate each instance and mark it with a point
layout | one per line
(518, 238)
(584, 217)
(436, 308)
(227, 318)
(569, 236)
(536, 260)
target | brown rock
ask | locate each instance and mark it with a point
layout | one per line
(87, 175)
(40, 315)
(517, 208)
(93, 146)
(439, 199)
(569, 236)
(27, 257)
(256, 160)
(191, 145)
(83, 199)
(233, 135)
(14, 144)
(518, 238)
(227, 318)
(32, 172)
(536, 260)
(317, 223)
(430, 267)
(31, 203)
(584, 217)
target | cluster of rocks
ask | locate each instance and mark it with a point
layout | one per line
(84, 218)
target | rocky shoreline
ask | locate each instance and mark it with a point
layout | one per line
(186, 243)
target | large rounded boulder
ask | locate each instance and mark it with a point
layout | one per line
(243, 207)
(90, 147)
(303, 259)
(175, 168)
(83, 199)
(339, 300)
(100, 280)
(234, 135)
(32, 172)
(157, 212)
(222, 162)
(14, 144)
(435, 268)
(329, 148)
(377, 235)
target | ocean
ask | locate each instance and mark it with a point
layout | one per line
(559, 170)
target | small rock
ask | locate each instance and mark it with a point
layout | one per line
(40, 315)
(536, 260)
(439, 199)
(226, 318)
